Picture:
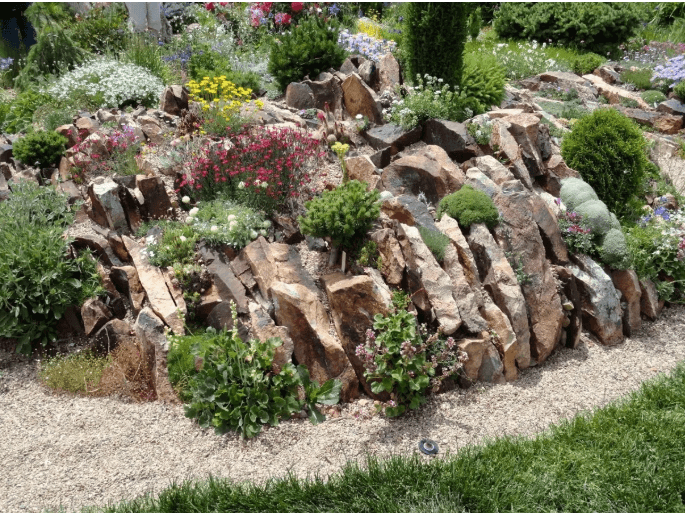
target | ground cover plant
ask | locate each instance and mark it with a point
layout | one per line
(627, 456)
(469, 206)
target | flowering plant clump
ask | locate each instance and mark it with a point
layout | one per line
(639, 51)
(672, 72)
(576, 232)
(222, 222)
(399, 358)
(656, 246)
(372, 47)
(109, 83)
(527, 60)
(430, 99)
(220, 98)
(115, 154)
(265, 168)
(481, 132)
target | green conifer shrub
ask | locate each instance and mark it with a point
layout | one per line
(308, 49)
(483, 80)
(44, 148)
(609, 151)
(344, 214)
(434, 36)
(595, 26)
(679, 91)
(587, 63)
(469, 206)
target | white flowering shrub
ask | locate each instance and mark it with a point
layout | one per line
(527, 60)
(431, 99)
(109, 83)
(225, 222)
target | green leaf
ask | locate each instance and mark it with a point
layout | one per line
(315, 415)
(330, 392)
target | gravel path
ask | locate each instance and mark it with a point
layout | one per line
(59, 450)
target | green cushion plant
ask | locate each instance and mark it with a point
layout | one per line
(469, 206)
(42, 148)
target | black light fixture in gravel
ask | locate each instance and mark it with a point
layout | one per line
(428, 447)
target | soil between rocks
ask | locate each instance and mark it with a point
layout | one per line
(59, 450)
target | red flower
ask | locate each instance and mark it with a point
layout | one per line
(209, 6)
(297, 6)
(266, 7)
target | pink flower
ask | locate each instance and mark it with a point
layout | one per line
(297, 6)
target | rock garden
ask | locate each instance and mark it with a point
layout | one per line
(268, 212)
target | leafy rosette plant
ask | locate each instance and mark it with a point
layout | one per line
(398, 360)
(237, 390)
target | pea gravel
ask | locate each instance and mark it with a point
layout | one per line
(72, 452)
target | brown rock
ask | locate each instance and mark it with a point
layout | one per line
(362, 169)
(263, 328)
(70, 132)
(408, 210)
(153, 283)
(271, 263)
(493, 169)
(519, 233)
(208, 300)
(626, 282)
(650, 302)
(107, 209)
(157, 201)
(615, 94)
(299, 309)
(175, 290)
(87, 124)
(117, 245)
(607, 74)
(126, 280)
(460, 266)
(475, 351)
(99, 246)
(500, 282)
(435, 281)
(71, 190)
(549, 229)
(241, 268)
(509, 147)
(289, 228)
(393, 136)
(112, 335)
(230, 288)
(359, 98)
(389, 72)
(391, 255)
(354, 301)
(502, 336)
(452, 137)
(602, 312)
(95, 315)
(570, 295)
(174, 99)
(299, 96)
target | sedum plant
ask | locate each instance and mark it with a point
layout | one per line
(236, 390)
(344, 214)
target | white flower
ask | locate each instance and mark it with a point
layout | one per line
(241, 185)
(253, 234)
(232, 225)
(193, 211)
(185, 199)
(231, 218)
(182, 238)
(359, 116)
(214, 228)
(264, 185)
(190, 220)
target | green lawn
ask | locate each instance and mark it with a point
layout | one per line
(626, 457)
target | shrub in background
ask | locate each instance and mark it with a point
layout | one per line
(609, 152)
(587, 63)
(640, 78)
(483, 80)
(307, 49)
(19, 112)
(101, 29)
(433, 40)
(39, 279)
(345, 214)
(468, 206)
(599, 27)
(679, 91)
(42, 148)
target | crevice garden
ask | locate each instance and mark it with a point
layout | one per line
(263, 210)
